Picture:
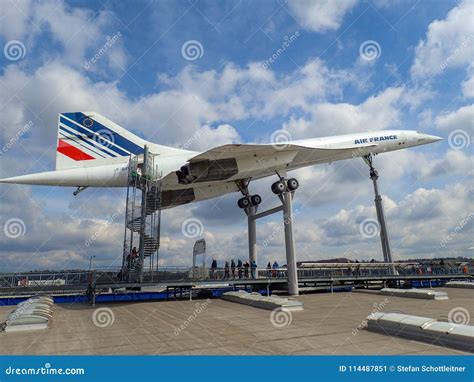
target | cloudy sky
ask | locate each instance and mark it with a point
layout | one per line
(237, 71)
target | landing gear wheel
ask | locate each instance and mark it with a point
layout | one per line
(256, 200)
(292, 184)
(243, 202)
(278, 187)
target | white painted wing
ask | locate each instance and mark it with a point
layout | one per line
(238, 150)
(310, 151)
(249, 161)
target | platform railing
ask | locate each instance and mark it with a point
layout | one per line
(111, 275)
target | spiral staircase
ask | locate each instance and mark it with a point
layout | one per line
(142, 218)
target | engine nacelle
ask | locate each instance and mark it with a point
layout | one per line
(207, 171)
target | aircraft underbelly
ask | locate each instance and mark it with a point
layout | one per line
(176, 197)
(250, 167)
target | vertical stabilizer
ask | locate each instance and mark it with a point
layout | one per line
(87, 139)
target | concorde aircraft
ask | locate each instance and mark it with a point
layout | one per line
(93, 151)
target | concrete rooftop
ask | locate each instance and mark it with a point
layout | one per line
(328, 325)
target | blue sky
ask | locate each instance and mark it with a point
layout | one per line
(322, 83)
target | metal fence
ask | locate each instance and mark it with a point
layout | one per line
(170, 274)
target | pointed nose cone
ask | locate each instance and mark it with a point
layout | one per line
(433, 138)
(426, 138)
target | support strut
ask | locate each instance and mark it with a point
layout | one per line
(79, 189)
(287, 200)
(387, 255)
(251, 211)
(285, 192)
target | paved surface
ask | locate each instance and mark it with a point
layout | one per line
(328, 325)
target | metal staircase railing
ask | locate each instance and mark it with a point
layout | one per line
(142, 217)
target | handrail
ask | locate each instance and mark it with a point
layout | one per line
(110, 274)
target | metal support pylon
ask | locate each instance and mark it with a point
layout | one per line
(251, 211)
(286, 198)
(292, 271)
(384, 239)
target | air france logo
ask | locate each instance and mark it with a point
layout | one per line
(376, 139)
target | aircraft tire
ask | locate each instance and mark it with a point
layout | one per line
(292, 184)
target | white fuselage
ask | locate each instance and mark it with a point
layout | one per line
(288, 156)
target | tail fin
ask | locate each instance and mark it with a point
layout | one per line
(87, 139)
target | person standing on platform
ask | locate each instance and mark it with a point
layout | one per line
(214, 269)
(275, 267)
(232, 268)
(226, 271)
(239, 268)
(253, 269)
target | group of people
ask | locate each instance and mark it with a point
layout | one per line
(243, 270)
(273, 270)
(132, 261)
(133, 258)
(233, 270)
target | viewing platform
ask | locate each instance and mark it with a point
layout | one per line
(178, 282)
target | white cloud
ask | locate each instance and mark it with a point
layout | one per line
(463, 118)
(454, 163)
(375, 113)
(169, 117)
(252, 91)
(417, 224)
(320, 15)
(448, 44)
(444, 208)
(190, 110)
(79, 32)
(14, 19)
(55, 240)
(192, 102)
(207, 137)
(468, 85)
